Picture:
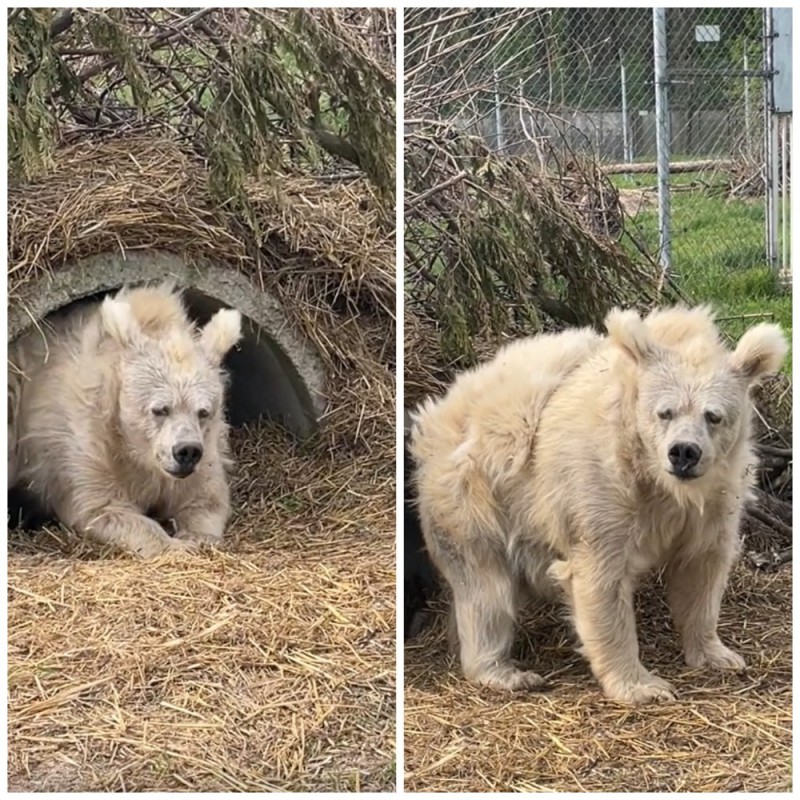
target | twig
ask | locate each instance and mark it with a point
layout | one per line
(428, 193)
(774, 505)
(176, 84)
(334, 177)
(766, 519)
(157, 41)
(779, 452)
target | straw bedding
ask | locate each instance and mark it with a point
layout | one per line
(725, 733)
(268, 665)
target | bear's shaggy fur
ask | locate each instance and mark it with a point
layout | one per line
(116, 412)
(574, 463)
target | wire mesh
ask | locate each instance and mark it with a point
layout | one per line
(563, 85)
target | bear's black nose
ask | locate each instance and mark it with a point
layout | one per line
(187, 454)
(684, 456)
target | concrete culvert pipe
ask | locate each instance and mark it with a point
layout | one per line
(274, 372)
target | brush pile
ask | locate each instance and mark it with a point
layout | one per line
(497, 242)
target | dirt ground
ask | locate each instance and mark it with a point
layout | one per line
(267, 666)
(725, 733)
(635, 201)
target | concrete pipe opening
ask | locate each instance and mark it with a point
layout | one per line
(274, 372)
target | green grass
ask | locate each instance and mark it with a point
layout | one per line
(718, 253)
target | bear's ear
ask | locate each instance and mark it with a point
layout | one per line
(760, 352)
(627, 330)
(118, 321)
(221, 333)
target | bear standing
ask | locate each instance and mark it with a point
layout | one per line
(575, 463)
(117, 411)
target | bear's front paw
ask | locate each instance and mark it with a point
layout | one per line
(715, 655)
(152, 549)
(646, 689)
(188, 536)
(507, 678)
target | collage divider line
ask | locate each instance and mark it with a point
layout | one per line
(399, 397)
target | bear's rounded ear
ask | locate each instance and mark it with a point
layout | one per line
(118, 321)
(627, 330)
(221, 333)
(760, 352)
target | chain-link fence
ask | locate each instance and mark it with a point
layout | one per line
(569, 86)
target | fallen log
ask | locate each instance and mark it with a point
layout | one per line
(675, 167)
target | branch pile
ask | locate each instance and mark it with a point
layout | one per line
(496, 242)
(254, 91)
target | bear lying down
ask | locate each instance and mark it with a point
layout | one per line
(574, 464)
(116, 411)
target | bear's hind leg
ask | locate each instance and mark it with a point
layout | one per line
(485, 609)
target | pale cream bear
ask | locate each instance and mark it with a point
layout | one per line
(580, 463)
(117, 419)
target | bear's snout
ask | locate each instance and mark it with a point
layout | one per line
(186, 455)
(684, 457)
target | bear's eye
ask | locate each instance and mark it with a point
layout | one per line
(204, 413)
(712, 418)
(665, 414)
(161, 411)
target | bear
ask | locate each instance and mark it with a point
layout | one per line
(117, 418)
(420, 585)
(573, 464)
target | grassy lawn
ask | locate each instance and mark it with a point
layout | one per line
(717, 252)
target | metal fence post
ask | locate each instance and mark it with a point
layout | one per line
(498, 116)
(785, 139)
(770, 149)
(747, 113)
(662, 137)
(627, 142)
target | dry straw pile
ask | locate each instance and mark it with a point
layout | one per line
(498, 247)
(726, 733)
(268, 665)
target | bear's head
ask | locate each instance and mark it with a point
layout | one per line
(171, 384)
(692, 394)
